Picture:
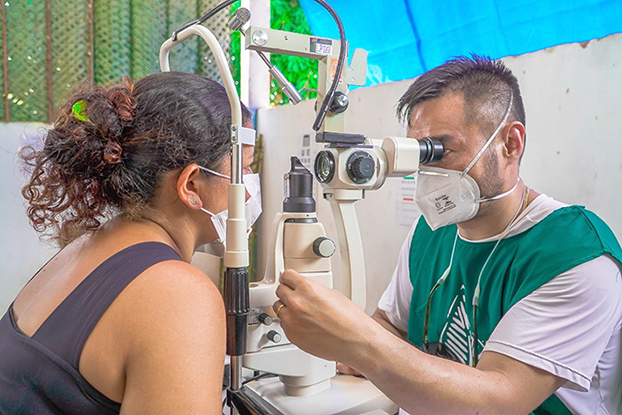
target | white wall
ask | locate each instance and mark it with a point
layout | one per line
(21, 252)
(573, 100)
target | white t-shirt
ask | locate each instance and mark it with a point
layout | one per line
(570, 327)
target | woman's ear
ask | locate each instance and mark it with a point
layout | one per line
(514, 143)
(188, 186)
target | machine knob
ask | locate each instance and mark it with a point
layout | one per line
(323, 247)
(260, 37)
(339, 103)
(265, 319)
(360, 167)
(274, 336)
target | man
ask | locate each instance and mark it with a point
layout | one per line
(512, 299)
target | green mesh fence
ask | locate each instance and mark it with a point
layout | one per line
(149, 31)
(113, 46)
(69, 69)
(53, 45)
(220, 29)
(27, 95)
(185, 56)
(4, 62)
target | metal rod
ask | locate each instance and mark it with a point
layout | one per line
(236, 163)
(236, 372)
(264, 58)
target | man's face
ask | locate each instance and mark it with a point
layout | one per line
(444, 119)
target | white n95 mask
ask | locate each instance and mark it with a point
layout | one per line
(252, 205)
(447, 196)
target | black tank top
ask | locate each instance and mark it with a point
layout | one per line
(39, 374)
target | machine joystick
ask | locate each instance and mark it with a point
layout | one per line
(324, 247)
(265, 319)
(274, 336)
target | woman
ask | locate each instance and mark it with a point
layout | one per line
(119, 320)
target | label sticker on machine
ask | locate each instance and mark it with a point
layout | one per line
(406, 211)
(321, 46)
(333, 69)
(304, 152)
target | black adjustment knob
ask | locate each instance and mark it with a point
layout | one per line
(265, 319)
(339, 103)
(324, 247)
(274, 336)
(360, 167)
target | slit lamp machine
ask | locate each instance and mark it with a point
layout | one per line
(348, 166)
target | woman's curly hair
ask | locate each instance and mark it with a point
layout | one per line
(109, 147)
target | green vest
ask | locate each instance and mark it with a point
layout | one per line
(522, 263)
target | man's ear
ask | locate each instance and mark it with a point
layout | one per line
(188, 186)
(514, 143)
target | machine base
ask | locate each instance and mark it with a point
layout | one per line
(347, 395)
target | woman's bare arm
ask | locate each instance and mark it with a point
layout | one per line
(175, 358)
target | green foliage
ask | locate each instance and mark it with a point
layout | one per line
(284, 15)
(234, 65)
(302, 72)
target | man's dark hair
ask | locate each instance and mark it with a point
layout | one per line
(484, 83)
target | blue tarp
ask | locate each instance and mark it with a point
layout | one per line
(405, 38)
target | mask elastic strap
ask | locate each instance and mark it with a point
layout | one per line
(215, 173)
(207, 211)
(502, 195)
(501, 124)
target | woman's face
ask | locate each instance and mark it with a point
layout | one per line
(215, 196)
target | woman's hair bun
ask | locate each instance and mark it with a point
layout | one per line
(70, 187)
(89, 134)
(112, 110)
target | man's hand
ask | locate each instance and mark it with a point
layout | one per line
(347, 370)
(320, 320)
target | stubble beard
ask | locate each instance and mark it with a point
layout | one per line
(490, 184)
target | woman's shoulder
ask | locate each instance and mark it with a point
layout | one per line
(173, 290)
(177, 278)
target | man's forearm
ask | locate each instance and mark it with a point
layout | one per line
(424, 384)
(381, 318)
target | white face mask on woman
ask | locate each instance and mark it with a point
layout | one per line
(448, 196)
(252, 205)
